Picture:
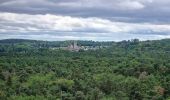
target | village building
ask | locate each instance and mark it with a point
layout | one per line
(73, 47)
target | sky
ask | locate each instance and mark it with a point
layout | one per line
(98, 20)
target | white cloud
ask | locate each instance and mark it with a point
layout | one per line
(66, 27)
(50, 22)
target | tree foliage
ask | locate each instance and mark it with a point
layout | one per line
(126, 70)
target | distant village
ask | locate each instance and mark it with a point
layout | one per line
(75, 47)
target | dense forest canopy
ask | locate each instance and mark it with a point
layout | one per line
(126, 70)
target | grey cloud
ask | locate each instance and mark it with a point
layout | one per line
(85, 19)
(154, 11)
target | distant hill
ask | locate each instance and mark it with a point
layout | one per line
(16, 40)
(56, 43)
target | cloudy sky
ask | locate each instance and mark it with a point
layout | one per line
(99, 20)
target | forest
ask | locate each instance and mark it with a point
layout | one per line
(126, 70)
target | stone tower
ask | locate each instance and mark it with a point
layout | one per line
(73, 46)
